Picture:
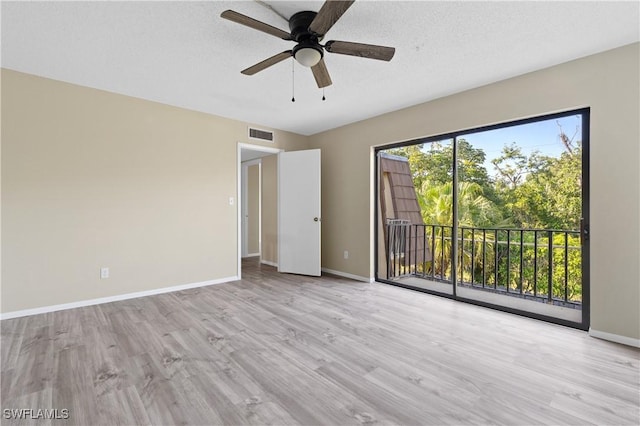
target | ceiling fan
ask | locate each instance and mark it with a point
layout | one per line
(307, 30)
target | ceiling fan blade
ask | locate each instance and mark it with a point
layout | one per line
(370, 51)
(255, 24)
(267, 62)
(328, 15)
(321, 74)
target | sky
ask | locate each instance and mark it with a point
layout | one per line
(541, 136)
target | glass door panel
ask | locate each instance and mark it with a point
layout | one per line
(519, 192)
(415, 216)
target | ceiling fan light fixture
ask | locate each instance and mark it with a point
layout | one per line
(308, 56)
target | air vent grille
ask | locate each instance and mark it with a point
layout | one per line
(262, 135)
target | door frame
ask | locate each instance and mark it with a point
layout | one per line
(246, 147)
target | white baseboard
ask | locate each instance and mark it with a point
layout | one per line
(270, 263)
(348, 275)
(101, 300)
(251, 255)
(629, 341)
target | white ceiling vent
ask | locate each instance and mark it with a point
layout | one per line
(263, 135)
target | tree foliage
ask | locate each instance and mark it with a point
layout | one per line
(550, 198)
(527, 191)
(435, 163)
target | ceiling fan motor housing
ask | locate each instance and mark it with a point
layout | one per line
(299, 26)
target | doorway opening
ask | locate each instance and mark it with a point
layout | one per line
(257, 204)
(496, 216)
(251, 208)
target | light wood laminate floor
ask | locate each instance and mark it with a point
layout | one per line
(285, 349)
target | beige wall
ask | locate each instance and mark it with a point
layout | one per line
(93, 179)
(253, 209)
(269, 252)
(607, 82)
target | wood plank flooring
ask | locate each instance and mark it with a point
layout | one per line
(285, 349)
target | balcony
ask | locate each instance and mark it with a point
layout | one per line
(533, 265)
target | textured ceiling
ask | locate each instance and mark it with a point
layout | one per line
(184, 54)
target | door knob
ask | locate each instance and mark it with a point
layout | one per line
(316, 219)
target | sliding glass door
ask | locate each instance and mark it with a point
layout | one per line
(495, 216)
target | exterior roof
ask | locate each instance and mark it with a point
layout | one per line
(399, 200)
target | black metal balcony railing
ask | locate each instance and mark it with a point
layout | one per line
(538, 264)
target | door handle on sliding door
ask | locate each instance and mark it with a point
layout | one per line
(584, 231)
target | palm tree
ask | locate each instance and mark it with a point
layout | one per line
(474, 210)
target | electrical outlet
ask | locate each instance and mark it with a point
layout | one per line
(346, 254)
(104, 273)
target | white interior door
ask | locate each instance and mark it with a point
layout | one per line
(299, 212)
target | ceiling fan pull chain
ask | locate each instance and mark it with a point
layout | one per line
(293, 79)
(323, 98)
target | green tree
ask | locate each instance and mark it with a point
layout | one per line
(433, 162)
(551, 197)
(474, 210)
